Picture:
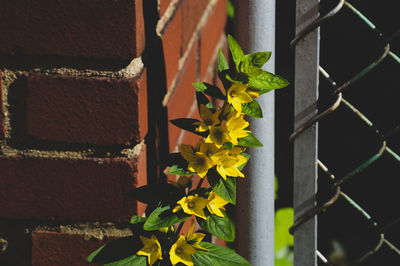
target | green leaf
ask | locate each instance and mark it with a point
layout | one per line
(221, 227)
(252, 109)
(176, 170)
(202, 99)
(217, 256)
(223, 70)
(249, 141)
(225, 188)
(137, 219)
(222, 63)
(240, 168)
(284, 257)
(236, 51)
(122, 249)
(254, 60)
(187, 124)
(283, 221)
(130, 261)
(283, 262)
(163, 217)
(209, 89)
(266, 81)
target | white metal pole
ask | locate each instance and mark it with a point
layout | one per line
(255, 32)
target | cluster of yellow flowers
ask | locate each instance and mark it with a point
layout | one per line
(181, 250)
(225, 125)
(219, 155)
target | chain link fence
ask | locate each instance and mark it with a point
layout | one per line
(359, 132)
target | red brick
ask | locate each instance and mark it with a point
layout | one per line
(191, 14)
(211, 35)
(163, 5)
(84, 110)
(2, 126)
(171, 41)
(83, 28)
(69, 189)
(183, 98)
(58, 249)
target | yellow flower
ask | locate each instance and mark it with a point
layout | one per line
(241, 93)
(237, 94)
(195, 238)
(227, 162)
(218, 135)
(235, 127)
(209, 118)
(208, 149)
(216, 204)
(183, 249)
(151, 249)
(192, 204)
(198, 162)
(182, 252)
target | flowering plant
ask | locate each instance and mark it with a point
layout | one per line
(219, 156)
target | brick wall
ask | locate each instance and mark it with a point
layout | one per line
(86, 89)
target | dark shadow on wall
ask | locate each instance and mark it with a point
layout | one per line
(153, 58)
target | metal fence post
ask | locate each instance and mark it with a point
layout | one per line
(305, 145)
(255, 31)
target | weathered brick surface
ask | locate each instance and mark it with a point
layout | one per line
(84, 28)
(211, 34)
(191, 14)
(49, 248)
(85, 110)
(2, 127)
(68, 189)
(163, 5)
(183, 97)
(171, 41)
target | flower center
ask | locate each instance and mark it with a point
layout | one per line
(154, 247)
(233, 94)
(178, 250)
(191, 205)
(200, 161)
(218, 134)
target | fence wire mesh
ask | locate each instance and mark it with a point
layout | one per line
(383, 234)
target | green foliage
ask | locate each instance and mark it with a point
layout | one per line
(221, 227)
(247, 157)
(219, 157)
(218, 256)
(252, 109)
(163, 217)
(137, 219)
(266, 81)
(255, 60)
(176, 170)
(250, 141)
(283, 221)
(236, 51)
(225, 188)
(249, 69)
(188, 124)
(283, 239)
(118, 252)
(209, 89)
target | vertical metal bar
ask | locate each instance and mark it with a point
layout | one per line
(255, 31)
(305, 145)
